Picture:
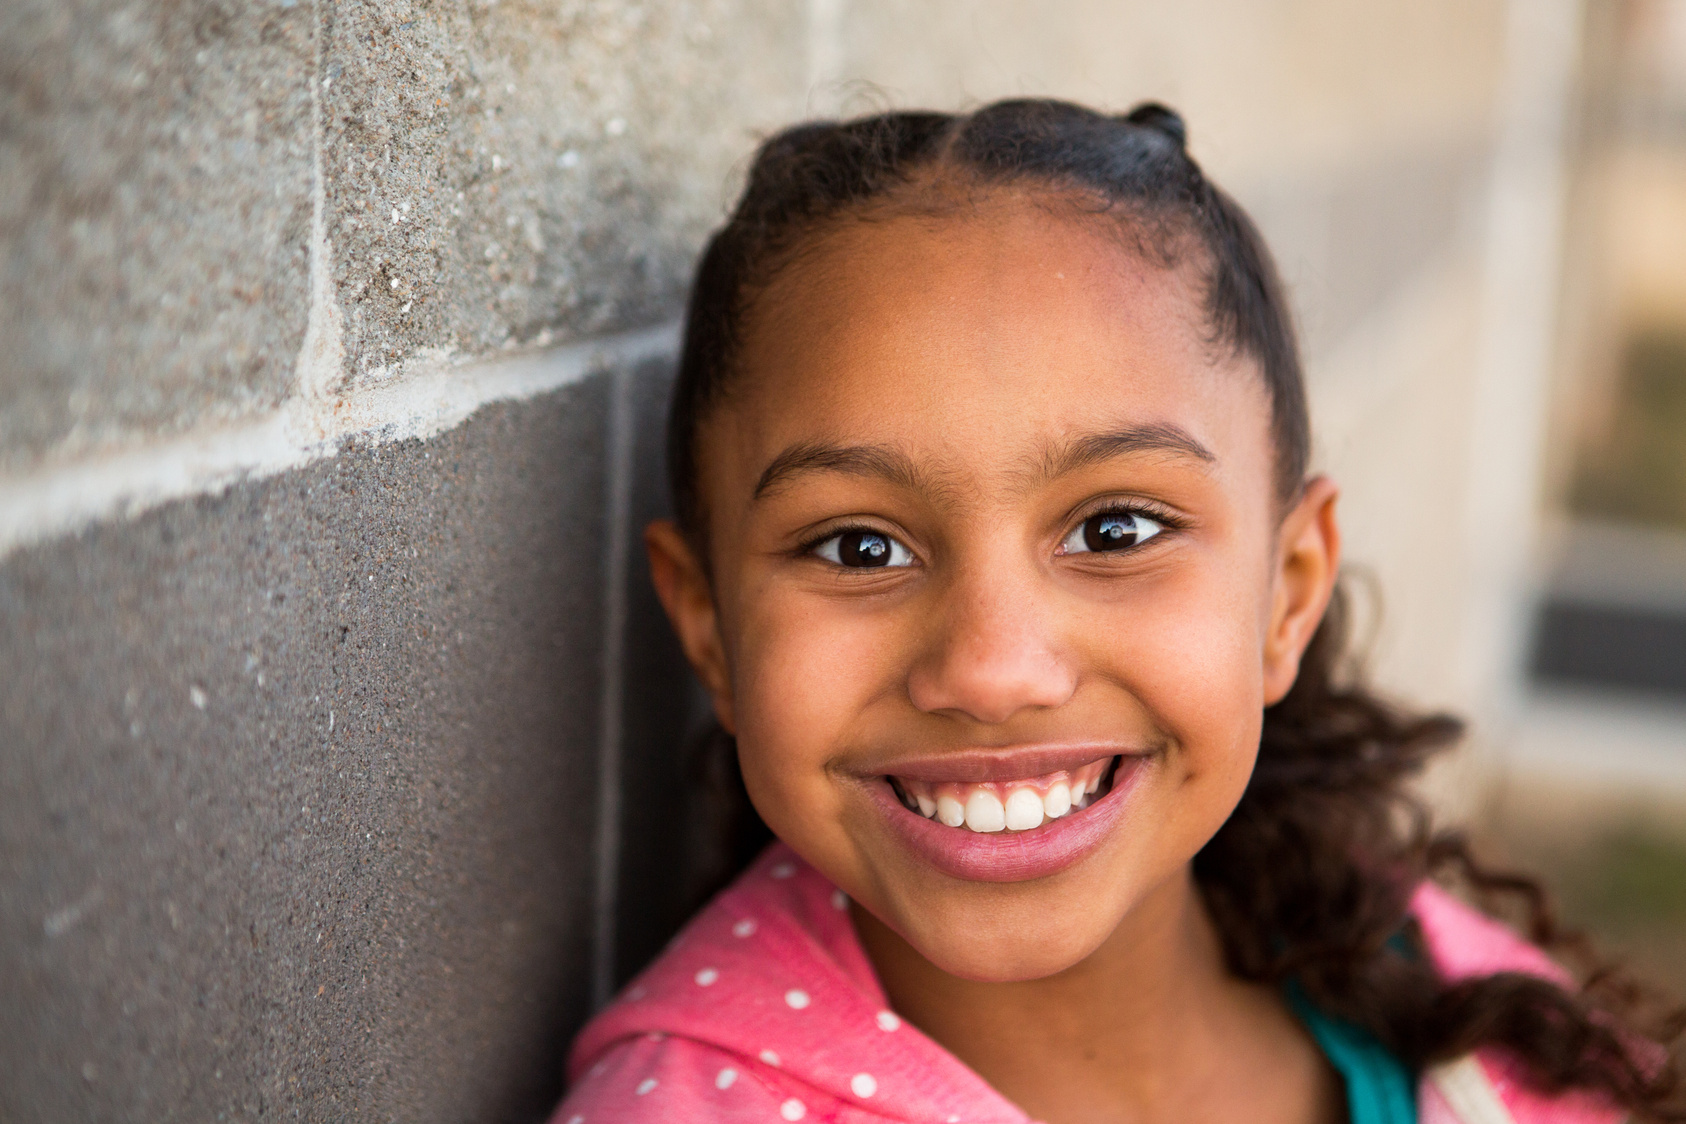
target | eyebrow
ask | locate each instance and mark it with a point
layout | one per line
(854, 460)
(896, 467)
(1154, 437)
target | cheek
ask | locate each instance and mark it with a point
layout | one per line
(804, 670)
(1190, 652)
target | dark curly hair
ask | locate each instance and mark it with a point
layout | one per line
(1309, 881)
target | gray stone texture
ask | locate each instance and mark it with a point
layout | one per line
(155, 173)
(519, 172)
(494, 174)
(297, 787)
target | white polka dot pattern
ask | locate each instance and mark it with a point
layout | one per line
(780, 1022)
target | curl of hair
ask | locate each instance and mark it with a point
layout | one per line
(1310, 879)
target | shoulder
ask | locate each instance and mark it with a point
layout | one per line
(659, 1078)
(770, 965)
(1488, 1087)
(765, 1007)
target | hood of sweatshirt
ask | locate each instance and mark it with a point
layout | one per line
(771, 972)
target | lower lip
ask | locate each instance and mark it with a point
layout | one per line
(1009, 856)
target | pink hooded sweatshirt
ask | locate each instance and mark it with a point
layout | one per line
(765, 1008)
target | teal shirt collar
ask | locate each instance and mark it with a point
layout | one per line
(1379, 1089)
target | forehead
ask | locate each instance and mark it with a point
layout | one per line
(1002, 327)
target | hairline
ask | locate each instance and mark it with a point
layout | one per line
(1159, 236)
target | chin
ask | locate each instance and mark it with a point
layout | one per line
(1000, 951)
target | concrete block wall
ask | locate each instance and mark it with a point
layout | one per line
(339, 732)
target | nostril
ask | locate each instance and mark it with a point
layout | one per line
(992, 692)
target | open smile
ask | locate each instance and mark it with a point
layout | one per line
(1007, 817)
(1011, 805)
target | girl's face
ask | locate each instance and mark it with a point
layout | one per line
(1000, 583)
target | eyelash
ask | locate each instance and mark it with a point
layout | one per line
(1156, 512)
(808, 548)
(1152, 512)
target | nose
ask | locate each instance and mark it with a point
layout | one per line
(993, 654)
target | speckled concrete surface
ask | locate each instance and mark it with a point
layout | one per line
(492, 175)
(298, 782)
(155, 173)
(512, 172)
(296, 788)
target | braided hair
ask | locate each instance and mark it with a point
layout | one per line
(1309, 881)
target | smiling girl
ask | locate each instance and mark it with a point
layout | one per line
(997, 552)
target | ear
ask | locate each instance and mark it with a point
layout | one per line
(1308, 561)
(682, 585)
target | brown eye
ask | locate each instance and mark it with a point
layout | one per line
(860, 550)
(1110, 531)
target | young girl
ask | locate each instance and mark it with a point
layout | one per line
(996, 550)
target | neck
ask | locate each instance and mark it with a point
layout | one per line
(1150, 1026)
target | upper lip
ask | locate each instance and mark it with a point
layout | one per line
(976, 766)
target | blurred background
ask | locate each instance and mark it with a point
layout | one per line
(1588, 783)
(339, 767)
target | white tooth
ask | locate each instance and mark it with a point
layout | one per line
(984, 811)
(1077, 787)
(949, 811)
(927, 806)
(1058, 801)
(1024, 809)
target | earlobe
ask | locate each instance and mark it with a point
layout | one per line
(1307, 565)
(683, 588)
